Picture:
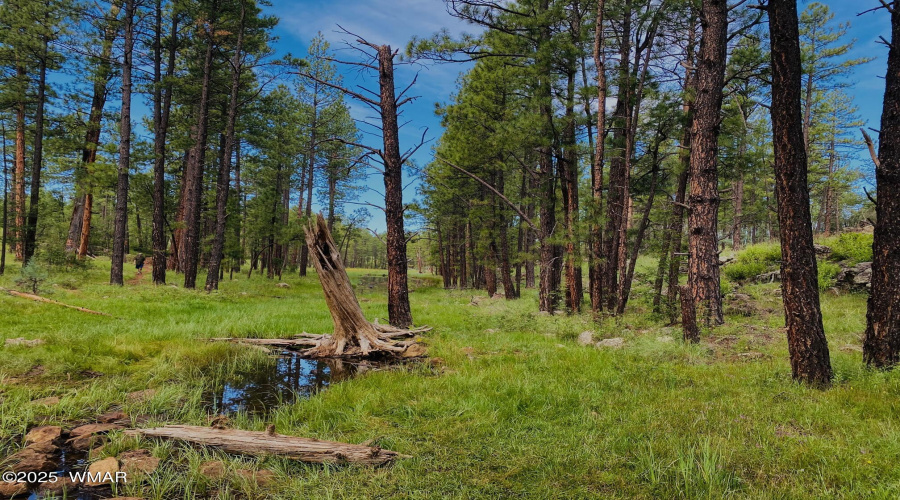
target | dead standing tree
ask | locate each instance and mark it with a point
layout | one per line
(387, 103)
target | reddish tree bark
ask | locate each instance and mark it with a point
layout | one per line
(19, 173)
(596, 273)
(79, 229)
(807, 345)
(690, 331)
(568, 167)
(30, 245)
(703, 270)
(617, 195)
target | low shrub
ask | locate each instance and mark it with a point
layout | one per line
(828, 271)
(853, 247)
(753, 261)
(742, 271)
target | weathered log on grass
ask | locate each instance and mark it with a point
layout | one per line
(265, 443)
(38, 298)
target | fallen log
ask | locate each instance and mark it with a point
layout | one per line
(269, 443)
(38, 298)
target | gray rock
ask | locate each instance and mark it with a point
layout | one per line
(23, 342)
(771, 277)
(863, 278)
(740, 304)
(858, 277)
(586, 337)
(862, 267)
(613, 343)
(822, 250)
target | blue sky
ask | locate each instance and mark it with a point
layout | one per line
(396, 21)
(393, 22)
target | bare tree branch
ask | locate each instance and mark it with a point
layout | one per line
(498, 193)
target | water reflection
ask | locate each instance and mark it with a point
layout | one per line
(265, 387)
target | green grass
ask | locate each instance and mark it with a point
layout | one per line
(850, 247)
(753, 261)
(513, 408)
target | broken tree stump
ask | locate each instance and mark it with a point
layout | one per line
(264, 443)
(688, 315)
(353, 336)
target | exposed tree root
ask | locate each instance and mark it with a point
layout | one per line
(385, 341)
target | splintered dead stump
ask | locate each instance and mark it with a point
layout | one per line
(353, 336)
(268, 443)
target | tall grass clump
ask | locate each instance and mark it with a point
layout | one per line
(753, 261)
(828, 271)
(852, 247)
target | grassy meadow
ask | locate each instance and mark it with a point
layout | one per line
(509, 406)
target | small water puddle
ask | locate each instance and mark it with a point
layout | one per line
(70, 461)
(265, 387)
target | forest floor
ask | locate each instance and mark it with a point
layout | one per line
(510, 405)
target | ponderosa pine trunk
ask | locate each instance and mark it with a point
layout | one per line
(79, 228)
(223, 184)
(528, 244)
(193, 176)
(121, 218)
(642, 228)
(568, 167)
(5, 201)
(617, 195)
(37, 163)
(807, 345)
(597, 257)
(509, 290)
(398, 289)
(19, 175)
(703, 259)
(881, 347)
(162, 105)
(309, 177)
(690, 331)
(676, 225)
